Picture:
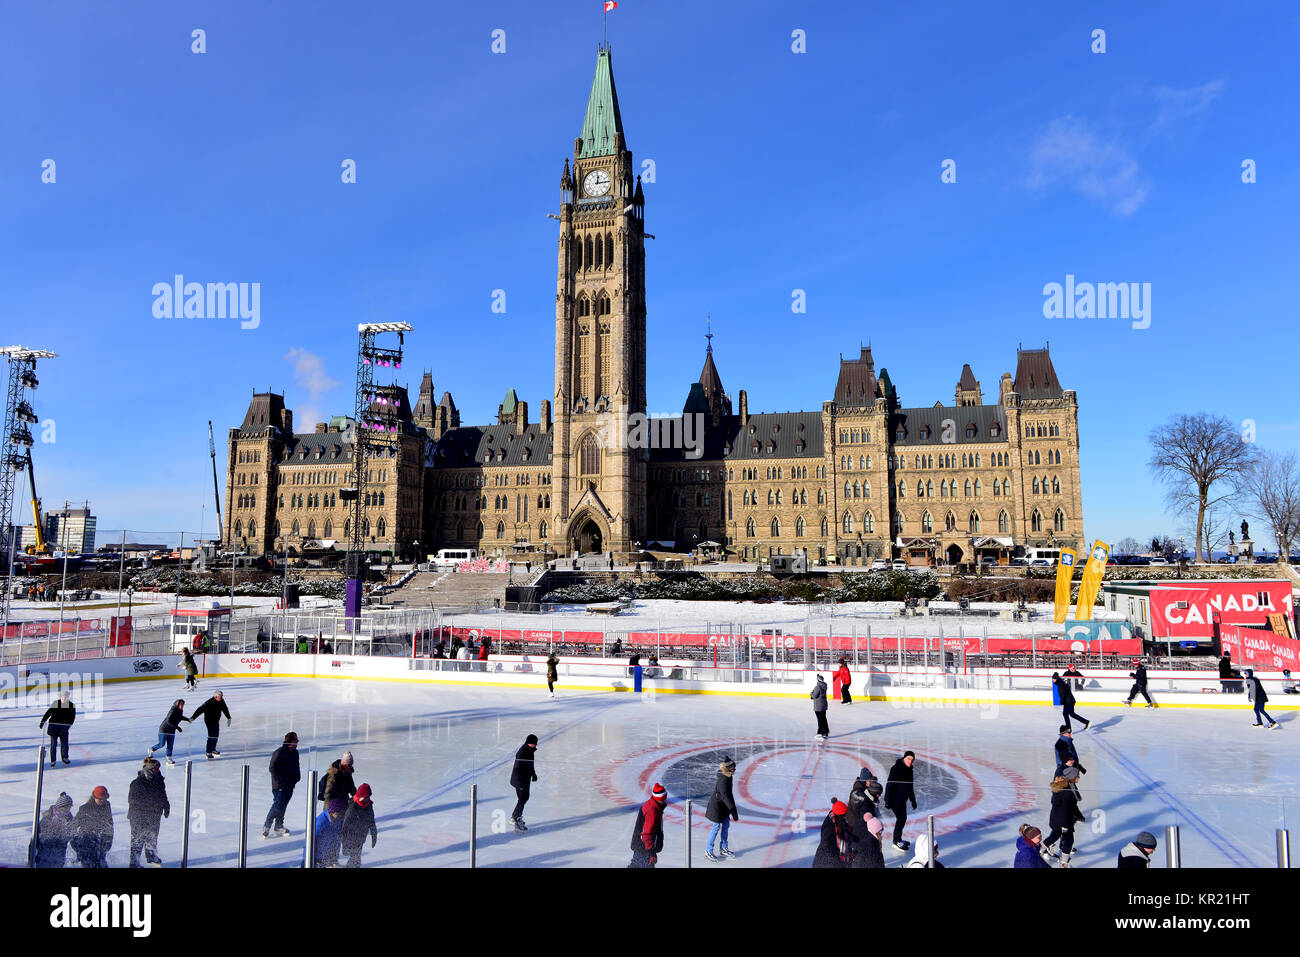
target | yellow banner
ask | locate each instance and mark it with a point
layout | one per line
(1064, 574)
(1092, 573)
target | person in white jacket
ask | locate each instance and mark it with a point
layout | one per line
(922, 858)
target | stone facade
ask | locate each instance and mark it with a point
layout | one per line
(862, 478)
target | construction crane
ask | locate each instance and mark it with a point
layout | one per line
(42, 547)
(216, 495)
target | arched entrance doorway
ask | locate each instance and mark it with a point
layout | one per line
(954, 554)
(587, 537)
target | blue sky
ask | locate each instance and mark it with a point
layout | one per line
(775, 171)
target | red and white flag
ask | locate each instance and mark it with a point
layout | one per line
(610, 5)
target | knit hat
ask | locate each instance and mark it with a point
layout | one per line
(1145, 840)
(909, 754)
(839, 808)
(1056, 674)
(658, 792)
(866, 775)
(335, 806)
(1070, 774)
(728, 765)
(1065, 729)
(874, 789)
(63, 801)
(875, 825)
(347, 758)
(1248, 672)
(363, 795)
(1029, 832)
(290, 737)
(531, 739)
(100, 792)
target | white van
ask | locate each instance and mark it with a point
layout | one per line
(451, 557)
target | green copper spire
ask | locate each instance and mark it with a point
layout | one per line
(603, 119)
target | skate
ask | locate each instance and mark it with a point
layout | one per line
(1065, 858)
(1086, 725)
(1128, 704)
(66, 762)
(216, 754)
(902, 845)
(1048, 854)
(519, 824)
(211, 756)
(1151, 704)
(708, 856)
(281, 832)
(552, 694)
(266, 834)
(726, 852)
(1275, 727)
(171, 763)
(1258, 724)
(156, 862)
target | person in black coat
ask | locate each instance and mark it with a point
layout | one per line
(1226, 673)
(1067, 701)
(92, 830)
(722, 809)
(1066, 755)
(60, 715)
(171, 725)
(1065, 814)
(212, 710)
(1139, 676)
(522, 776)
(53, 834)
(146, 806)
(836, 846)
(867, 850)
(358, 821)
(285, 774)
(899, 792)
(1255, 692)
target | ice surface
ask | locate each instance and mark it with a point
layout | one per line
(420, 747)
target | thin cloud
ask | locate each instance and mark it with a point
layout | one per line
(1175, 104)
(310, 376)
(1069, 151)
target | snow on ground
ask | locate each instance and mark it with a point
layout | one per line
(981, 772)
(145, 604)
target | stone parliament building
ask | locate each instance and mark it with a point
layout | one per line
(862, 477)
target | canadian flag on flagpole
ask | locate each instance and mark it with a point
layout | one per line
(610, 5)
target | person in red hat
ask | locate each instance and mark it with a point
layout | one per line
(358, 821)
(92, 830)
(1139, 676)
(836, 847)
(648, 834)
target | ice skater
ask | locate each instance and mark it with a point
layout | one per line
(845, 679)
(818, 695)
(212, 710)
(899, 792)
(648, 832)
(1227, 674)
(327, 833)
(1255, 694)
(1066, 695)
(552, 672)
(721, 810)
(1137, 855)
(60, 715)
(522, 776)
(170, 727)
(868, 851)
(358, 821)
(836, 846)
(338, 782)
(92, 830)
(1065, 814)
(285, 774)
(146, 806)
(53, 834)
(191, 669)
(1066, 755)
(1027, 848)
(1139, 676)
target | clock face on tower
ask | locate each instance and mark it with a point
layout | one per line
(596, 183)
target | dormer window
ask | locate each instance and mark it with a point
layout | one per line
(971, 431)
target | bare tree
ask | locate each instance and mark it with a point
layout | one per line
(1196, 456)
(1128, 546)
(1270, 490)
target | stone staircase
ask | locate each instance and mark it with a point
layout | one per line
(443, 589)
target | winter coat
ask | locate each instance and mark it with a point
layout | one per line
(357, 822)
(1132, 857)
(722, 803)
(836, 847)
(463, 654)
(337, 783)
(525, 770)
(648, 833)
(1255, 692)
(55, 832)
(844, 676)
(57, 714)
(92, 830)
(172, 723)
(1064, 690)
(898, 788)
(922, 856)
(1225, 668)
(327, 840)
(189, 664)
(483, 652)
(818, 695)
(212, 710)
(1064, 752)
(285, 769)
(867, 851)
(1027, 855)
(1139, 677)
(146, 802)
(1065, 808)
(552, 671)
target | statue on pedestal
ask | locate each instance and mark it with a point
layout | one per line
(1245, 530)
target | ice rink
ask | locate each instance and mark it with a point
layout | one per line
(980, 771)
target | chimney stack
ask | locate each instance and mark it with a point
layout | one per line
(545, 420)
(521, 417)
(744, 408)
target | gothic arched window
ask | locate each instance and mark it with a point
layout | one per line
(589, 456)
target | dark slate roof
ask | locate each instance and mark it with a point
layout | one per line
(264, 411)
(467, 446)
(695, 399)
(1035, 376)
(967, 381)
(780, 435)
(710, 381)
(982, 416)
(303, 448)
(856, 386)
